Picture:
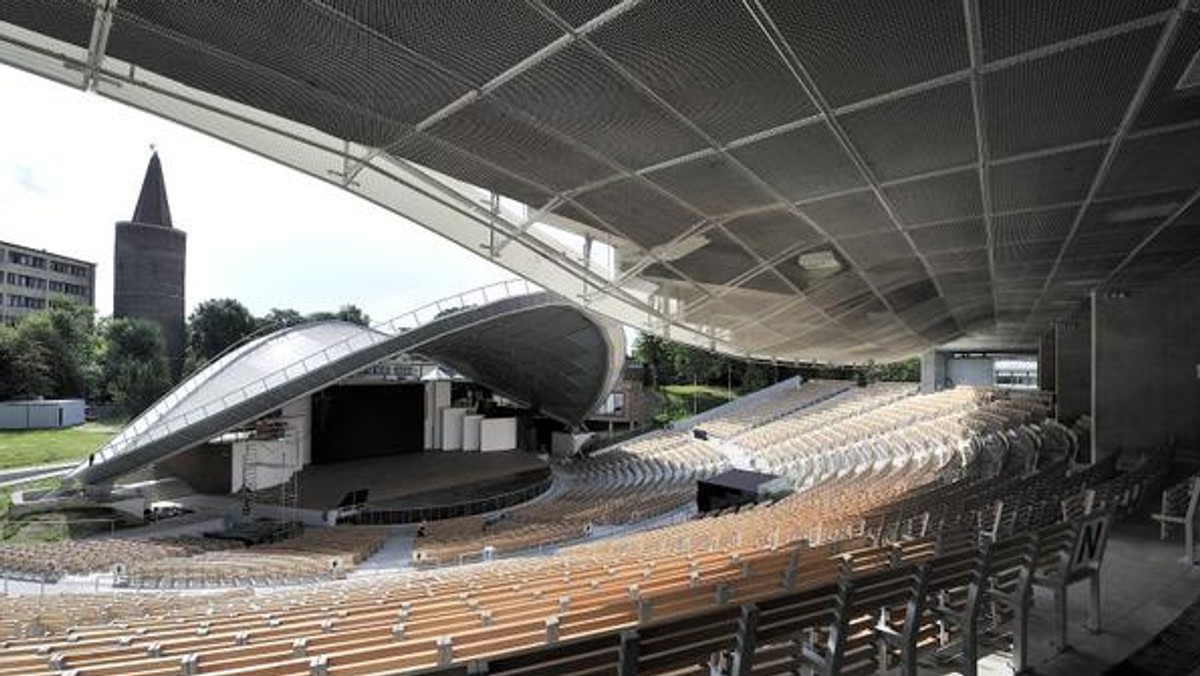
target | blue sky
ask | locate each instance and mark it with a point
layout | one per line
(71, 164)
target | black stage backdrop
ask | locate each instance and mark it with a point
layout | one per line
(351, 422)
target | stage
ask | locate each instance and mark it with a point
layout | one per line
(426, 479)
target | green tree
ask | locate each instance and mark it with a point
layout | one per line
(215, 325)
(321, 316)
(353, 314)
(134, 363)
(757, 376)
(652, 351)
(907, 370)
(281, 318)
(24, 367)
(696, 365)
(65, 335)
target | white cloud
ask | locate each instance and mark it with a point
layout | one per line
(71, 164)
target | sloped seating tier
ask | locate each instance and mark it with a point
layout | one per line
(823, 607)
(52, 560)
(741, 418)
(196, 561)
(616, 487)
(942, 424)
(321, 553)
(807, 568)
(845, 403)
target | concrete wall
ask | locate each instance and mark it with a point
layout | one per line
(979, 372)
(1148, 367)
(39, 414)
(933, 371)
(208, 468)
(1073, 365)
(1046, 361)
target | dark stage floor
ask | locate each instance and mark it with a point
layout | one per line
(419, 479)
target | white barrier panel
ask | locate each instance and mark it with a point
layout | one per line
(41, 414)
(437, 397)
(472, 429)
(452, 428)
(498, 434)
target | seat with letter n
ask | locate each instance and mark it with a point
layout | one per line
(1068, 553)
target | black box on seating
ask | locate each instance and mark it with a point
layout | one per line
(738, 487)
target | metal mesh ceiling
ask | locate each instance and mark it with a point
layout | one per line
(969, 168)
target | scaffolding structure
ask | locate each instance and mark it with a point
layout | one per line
(273, 447)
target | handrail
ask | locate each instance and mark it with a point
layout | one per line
(143, 430)
(190, 383)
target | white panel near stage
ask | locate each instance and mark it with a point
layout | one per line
(452, 428)
(498, 434)
(472, 429)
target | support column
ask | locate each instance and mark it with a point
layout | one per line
(1148, 366)
(1073, 365)
(933, 371)
(1046, 359)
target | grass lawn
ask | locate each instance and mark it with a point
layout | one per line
(679, 402)
(41, 447)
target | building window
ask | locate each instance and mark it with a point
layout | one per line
(27, 260)
(68, 269)
(68, 288)
(26, 302)
(26, 281)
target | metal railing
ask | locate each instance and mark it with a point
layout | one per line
(377, 516)
(147, 428)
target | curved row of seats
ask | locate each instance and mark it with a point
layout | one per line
(51, 560)
(414, 621)
(737, 419)
(617, 487)
(811, 561)
(314, 555)
(846, 403)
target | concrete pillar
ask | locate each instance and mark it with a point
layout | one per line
(1046, 360)
(1073, 364)
(1148, 366)
(933, 371)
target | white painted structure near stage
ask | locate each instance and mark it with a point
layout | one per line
(472, 430)
(498, 434)
(452, 428)
(275, 460)
(437, 397)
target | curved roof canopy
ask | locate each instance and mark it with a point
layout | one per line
(535, 348)
(824, 178)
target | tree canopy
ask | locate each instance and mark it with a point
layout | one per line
(667, 362)
(215, 325)
(281, 318)
(134, 363)
(64, 352)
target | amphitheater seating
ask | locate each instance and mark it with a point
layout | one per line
(195, 561)
(736, 419)
(1178, 508)
(50, 561)
(640, 481)
(314, 555)
(873, 566)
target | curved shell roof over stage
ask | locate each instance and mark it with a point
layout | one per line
(831, 179)
(535, 348)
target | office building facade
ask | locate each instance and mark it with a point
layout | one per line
(32, 280)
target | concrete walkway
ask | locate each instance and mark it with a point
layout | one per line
(1144, 587)
(19, 475)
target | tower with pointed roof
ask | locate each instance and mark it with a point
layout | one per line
(149, 265)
